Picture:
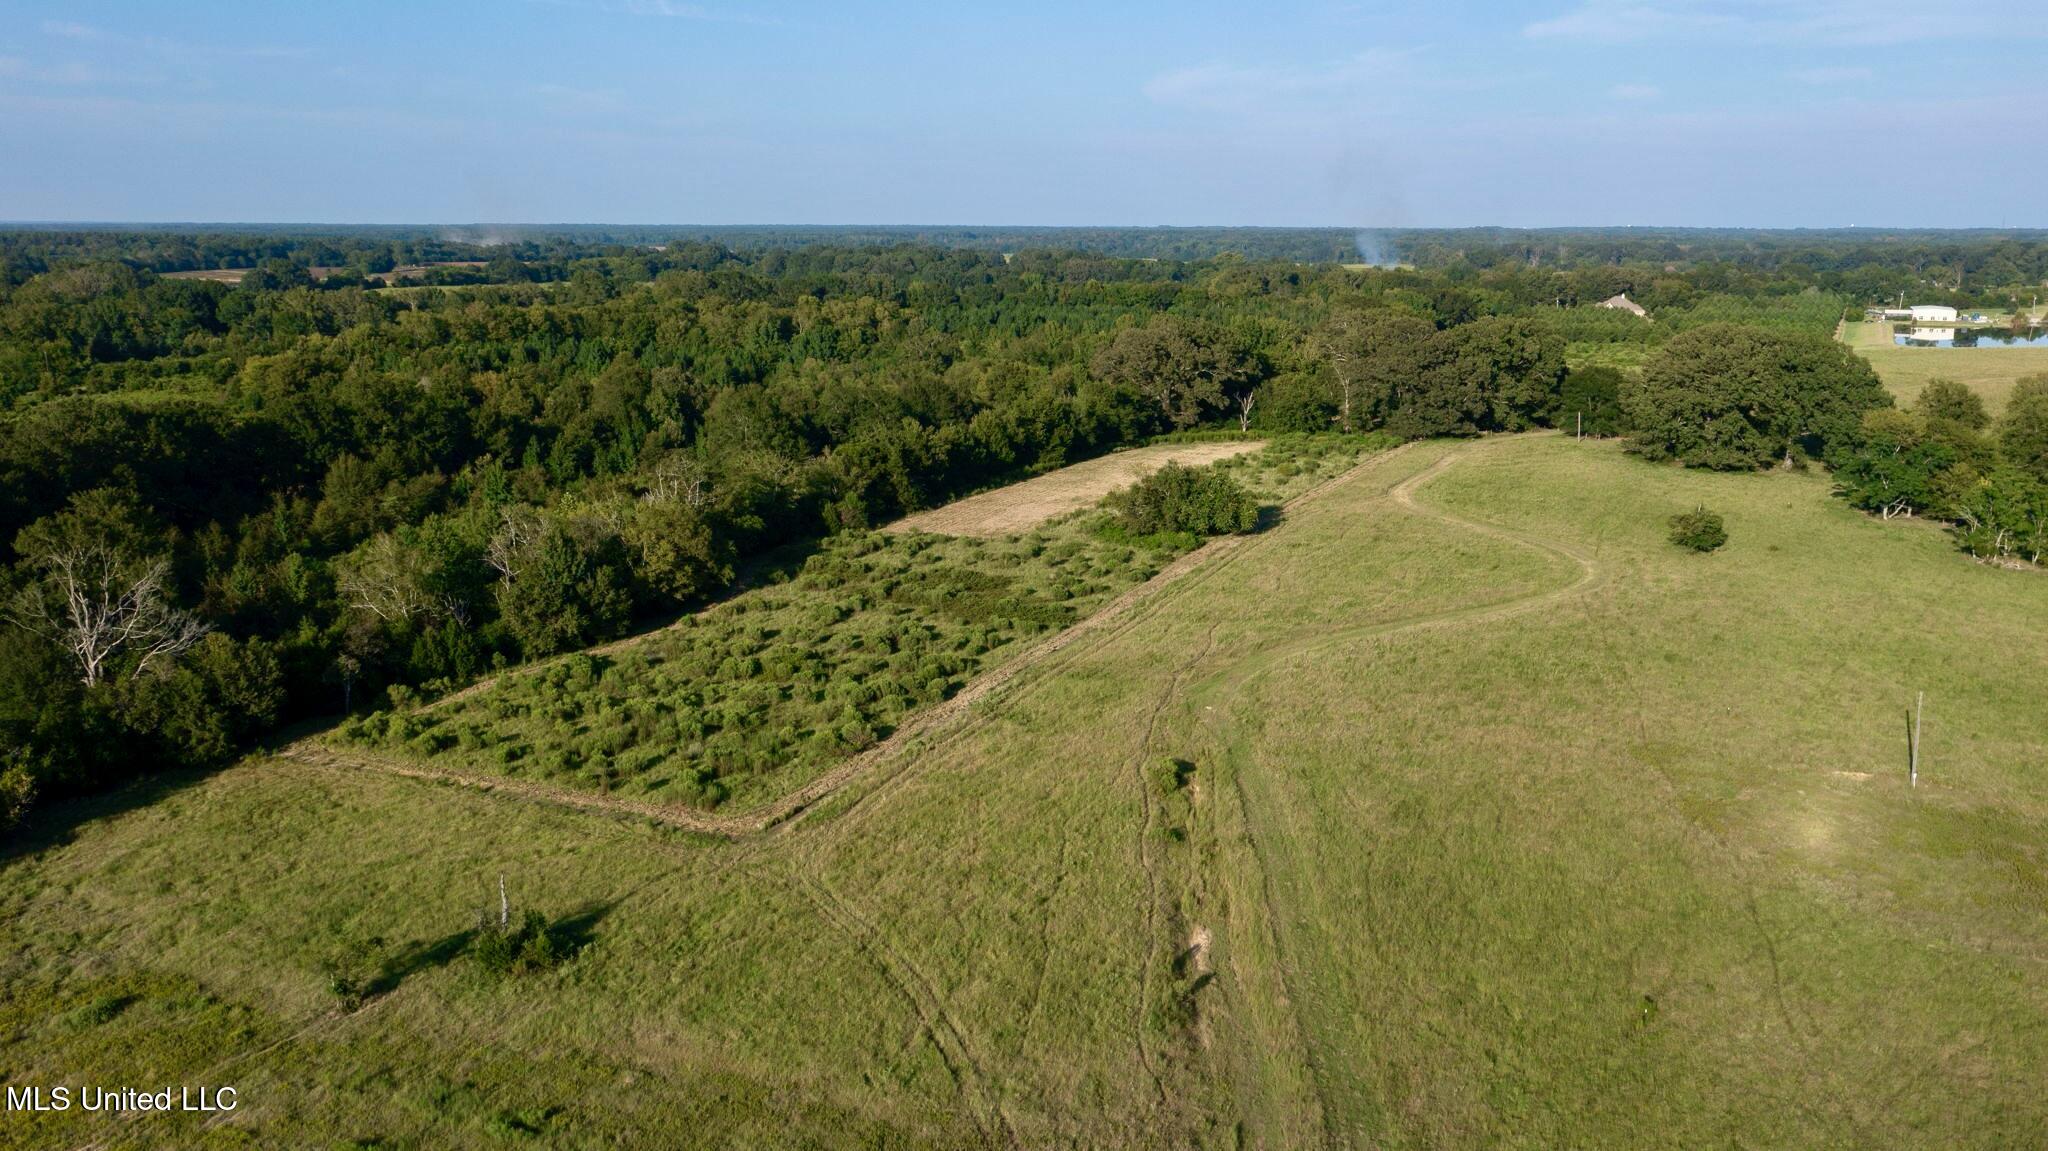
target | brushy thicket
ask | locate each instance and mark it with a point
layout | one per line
(1699, 529)
(1176, 498)
(785, 678)
(748, 699)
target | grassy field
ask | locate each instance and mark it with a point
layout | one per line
(1628, 358)
(1991, 372)
(1459, 808)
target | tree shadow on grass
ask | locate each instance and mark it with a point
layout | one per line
(578, 930)
(55, 823)
(571, 934)
(415, 957)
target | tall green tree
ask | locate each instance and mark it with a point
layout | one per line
(2023, 430)
(1187, 368)
(1377, 358)
(1733, 397)
(1953, 403)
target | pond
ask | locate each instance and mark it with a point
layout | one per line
(1969, 338)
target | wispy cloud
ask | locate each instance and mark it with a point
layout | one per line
(1369, 75)
(670, 9)
(1774, 21)
(68, 74)
(1825, 77)
(165, 46)
(580, 99)
(1622, 21)
(69, 30)
(1635, 92)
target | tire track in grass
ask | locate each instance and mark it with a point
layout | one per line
(1059, 879)
(1148, 861)
(947, 1037)
(1128, 613)
(1232, 682)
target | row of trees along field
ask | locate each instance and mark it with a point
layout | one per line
(1945, 457)
(225, 507)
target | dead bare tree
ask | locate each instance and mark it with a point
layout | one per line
(519, 528)
(385, 579)
(98, 603)
(680, 476)
(1245, 401)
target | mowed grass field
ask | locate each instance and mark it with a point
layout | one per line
(1457, 809)
(1990, 372)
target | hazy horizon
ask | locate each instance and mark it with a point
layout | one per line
(545, 226)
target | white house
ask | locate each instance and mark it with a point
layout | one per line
(1934, 314)
(1623, 303)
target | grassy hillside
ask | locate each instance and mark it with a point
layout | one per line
(1458, 809)
(1991, 372)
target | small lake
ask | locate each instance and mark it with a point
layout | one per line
(1968, 338)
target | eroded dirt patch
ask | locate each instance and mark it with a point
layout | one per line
(1023, 506)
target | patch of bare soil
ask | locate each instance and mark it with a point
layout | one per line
(1023, 506)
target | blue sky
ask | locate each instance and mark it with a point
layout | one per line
(1447, 112)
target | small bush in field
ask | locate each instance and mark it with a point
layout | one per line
(1699, 529)
(531, 946)
(352, 972)
(1205, 501)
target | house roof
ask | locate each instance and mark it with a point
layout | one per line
(1625, 304)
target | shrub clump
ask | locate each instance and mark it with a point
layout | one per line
(533, 945)
(1699, 530)
(1177, 498)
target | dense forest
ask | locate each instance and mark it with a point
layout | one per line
(228, 506)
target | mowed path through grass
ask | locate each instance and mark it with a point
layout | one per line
(1491, 819)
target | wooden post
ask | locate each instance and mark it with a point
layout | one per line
(504, 907)
(1582, 425)
(1913, 763)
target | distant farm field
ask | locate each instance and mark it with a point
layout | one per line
(1458, 808)
(1990, 372)
(1022, 506)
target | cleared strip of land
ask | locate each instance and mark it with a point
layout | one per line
(1021, 507)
